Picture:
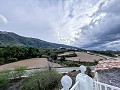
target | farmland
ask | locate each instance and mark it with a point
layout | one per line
(83, 56)
(30, 63)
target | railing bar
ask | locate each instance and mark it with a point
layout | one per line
(95, 85)
(107, 85)
(75, 85)
(112, 88)
(100, 86)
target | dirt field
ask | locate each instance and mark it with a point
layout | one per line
(81, 56)
(30, 63)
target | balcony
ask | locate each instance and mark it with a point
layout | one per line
(84, 82)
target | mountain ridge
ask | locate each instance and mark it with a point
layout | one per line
(11, 38)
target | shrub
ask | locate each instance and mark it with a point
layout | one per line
(2, 60)
(53, 56)
(71, 55)
(42, 80)
(62, 58)
(12, 60)
(71, 64)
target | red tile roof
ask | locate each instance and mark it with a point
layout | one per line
(108, 64)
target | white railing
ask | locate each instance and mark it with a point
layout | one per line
(75, 86)
(102, 86)
(84, 82)
(97, 86)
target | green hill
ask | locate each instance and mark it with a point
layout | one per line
(9, 38)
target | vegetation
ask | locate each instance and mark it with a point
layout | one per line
(2, 60)
(62, 58)
(9, 60)
(4, 75)
(107, 53)
(39, 80)
(53, 56)
(43, 80)
(9, 76)
(14, 53)
(70, 63)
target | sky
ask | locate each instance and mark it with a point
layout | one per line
(88, 24)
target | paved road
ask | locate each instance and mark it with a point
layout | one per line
(60, 70)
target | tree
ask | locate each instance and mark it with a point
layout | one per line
(53, 56)
(12, 60)
(62, 58)
(2, 61)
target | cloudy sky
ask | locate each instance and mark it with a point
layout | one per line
(89, 24)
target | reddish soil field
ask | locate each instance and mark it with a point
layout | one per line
(30, 63)
(81, 56)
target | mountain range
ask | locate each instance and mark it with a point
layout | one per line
(10, 38)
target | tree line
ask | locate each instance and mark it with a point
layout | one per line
(107, 53)
(14, 53)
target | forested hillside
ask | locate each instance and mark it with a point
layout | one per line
(9, 38)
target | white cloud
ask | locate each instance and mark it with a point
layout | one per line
(90, 23)
(3, 19)
(32, 18)
(87, 24)
(77, 15)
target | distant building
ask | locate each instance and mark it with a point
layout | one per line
(116, 55)
(88, 52)
(109, 72)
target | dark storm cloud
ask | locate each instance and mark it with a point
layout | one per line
(107, 30)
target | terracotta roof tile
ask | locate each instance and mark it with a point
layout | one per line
(108, 64)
